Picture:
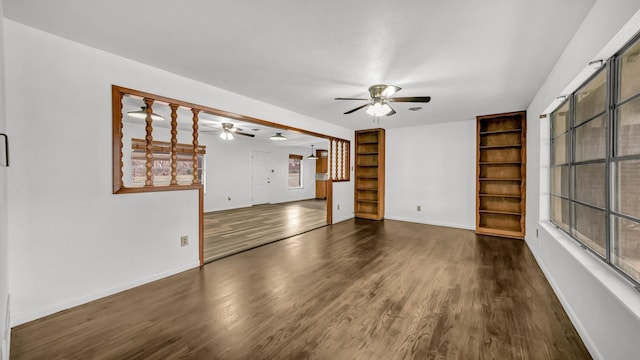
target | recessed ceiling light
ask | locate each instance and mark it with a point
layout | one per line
(142, 114)
(415, 108)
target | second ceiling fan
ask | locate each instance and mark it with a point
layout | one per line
(381, 96)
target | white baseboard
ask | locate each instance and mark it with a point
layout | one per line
(22, 318)
(6, 338)
(436, 223)
(575, 320)
(608, 282)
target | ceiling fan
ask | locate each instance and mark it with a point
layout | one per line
(381, 97)
(228, 130)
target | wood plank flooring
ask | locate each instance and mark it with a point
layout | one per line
(355, 290)
(231, 231)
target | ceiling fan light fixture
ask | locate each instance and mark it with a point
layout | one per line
(379, 109)
(226, 135)
(142, 114)
(278, 137)
(313, 155)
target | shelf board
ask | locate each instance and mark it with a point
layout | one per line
(366, 189)
(368, 215)
(499, 195)
(500, 146)
(500, 131)
(500, 212)
(500, 179)
(376, 165)
(367, 177)
(367, 142)
(367, 201)
(368, 153)
(501, 163)
(499, 232)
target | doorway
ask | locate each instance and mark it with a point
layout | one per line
(260, 177)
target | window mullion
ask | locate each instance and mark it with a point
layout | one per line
(609, 142)
(570, 155)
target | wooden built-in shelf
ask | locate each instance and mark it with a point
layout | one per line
(501, 195)
(500, 212)
(369, 173)
(367, 201)
(514, 234)
(506, 131)
(366, 189)
(500, 146)
(500, 162)
(500, 175)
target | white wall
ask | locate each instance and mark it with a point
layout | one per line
(71, 240)
(604, 308)
(4, 258)
(229, 168)
(432, 166)
(279, 190)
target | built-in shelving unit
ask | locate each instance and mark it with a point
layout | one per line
(501, 175)
(369, 172)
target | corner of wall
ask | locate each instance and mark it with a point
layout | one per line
(5, 316)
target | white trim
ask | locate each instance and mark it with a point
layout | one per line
(5, 346)
(19, 319)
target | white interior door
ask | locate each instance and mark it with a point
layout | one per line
(261, 177)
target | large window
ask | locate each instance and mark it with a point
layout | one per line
(295, 171)
(595, 163)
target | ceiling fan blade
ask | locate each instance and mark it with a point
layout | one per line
(356, 109)
(391, 112)
(245, 134)
(419, 99)
(350, 99)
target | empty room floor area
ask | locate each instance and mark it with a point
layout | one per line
(231, 231)
(355, 290)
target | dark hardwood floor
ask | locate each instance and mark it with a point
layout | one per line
(355, 290)
(231, 231)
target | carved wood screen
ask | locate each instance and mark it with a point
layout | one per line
(123, 99)
(339, 160)
(149, 151)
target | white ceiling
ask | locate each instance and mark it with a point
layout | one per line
(211, 124)
(472, 57)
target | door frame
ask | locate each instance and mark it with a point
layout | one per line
(118, 92)
(253, 175)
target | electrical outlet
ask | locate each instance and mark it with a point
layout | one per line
(184, 240)
(536, 233)
(228, 198)
(419, 208)
(338, 206)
